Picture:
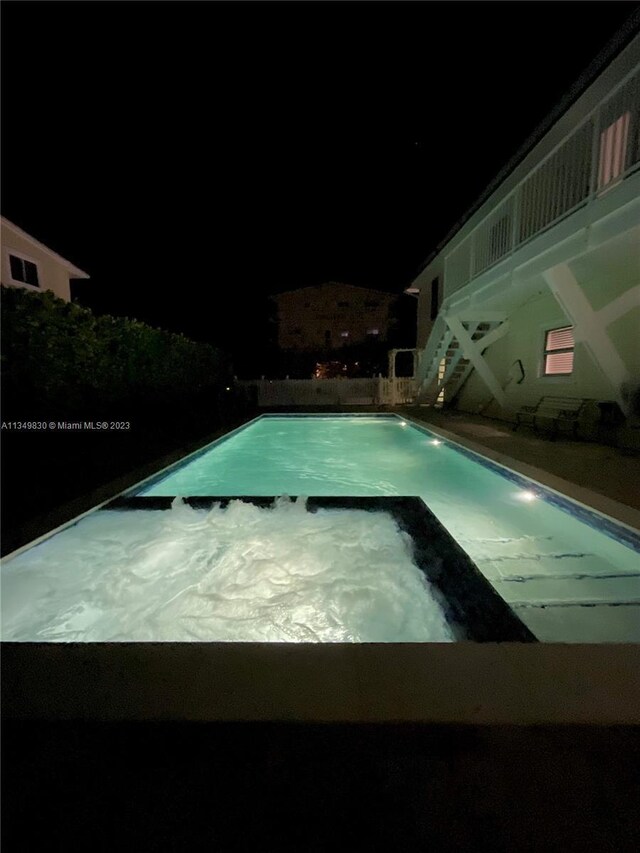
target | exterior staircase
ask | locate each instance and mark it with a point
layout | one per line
(444, 365)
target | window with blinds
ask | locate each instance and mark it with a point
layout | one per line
(558, 351)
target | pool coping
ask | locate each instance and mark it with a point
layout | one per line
(479, 684)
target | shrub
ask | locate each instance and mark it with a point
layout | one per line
(57, 354)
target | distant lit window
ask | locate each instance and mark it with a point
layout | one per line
(24, 271)
(343, 304)
(373, 332)
(371, 304)
(613, 150)
(344, 334)
(558, 351)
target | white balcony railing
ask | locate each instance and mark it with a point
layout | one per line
(599, 152)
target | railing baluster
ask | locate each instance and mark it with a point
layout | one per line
(575, 170)
(515, 217)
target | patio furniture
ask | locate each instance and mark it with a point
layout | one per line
(556, 411)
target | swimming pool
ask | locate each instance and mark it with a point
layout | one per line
(569, 573)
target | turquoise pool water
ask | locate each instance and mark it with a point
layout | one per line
(567, 579)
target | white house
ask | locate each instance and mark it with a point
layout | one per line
(28, 263)
(537, 290)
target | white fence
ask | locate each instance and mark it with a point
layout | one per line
(332, 392)
(393, 392)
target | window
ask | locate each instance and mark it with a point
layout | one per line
(613, 150)
(371, 303)
(344, 334)
(373, 332)
(343, 304)
(25, 271)
(558, 351)
(435, 288)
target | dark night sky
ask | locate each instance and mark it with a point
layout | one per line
(185, 154)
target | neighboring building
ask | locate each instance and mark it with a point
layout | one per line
(30, 264)
(537, 291)
(332, 315)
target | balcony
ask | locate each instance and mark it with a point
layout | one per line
(596, 156)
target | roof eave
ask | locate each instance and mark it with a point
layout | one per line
(74, 271)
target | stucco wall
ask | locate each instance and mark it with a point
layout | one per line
(425, 323)
(625, 334)
(525, 341)
(51, 274)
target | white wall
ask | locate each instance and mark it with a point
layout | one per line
(52, 275)
(525, 342)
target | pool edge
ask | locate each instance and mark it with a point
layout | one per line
(465, 682)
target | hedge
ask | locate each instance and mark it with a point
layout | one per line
(56, 352)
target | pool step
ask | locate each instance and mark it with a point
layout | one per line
(547, 565)
(557, 591)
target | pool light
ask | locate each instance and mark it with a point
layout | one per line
(526, 496)
(435, 441)
(403, 423)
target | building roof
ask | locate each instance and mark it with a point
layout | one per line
(337, 284)
(74, 271)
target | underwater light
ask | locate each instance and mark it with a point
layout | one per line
(435, 441)
(526, 496)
